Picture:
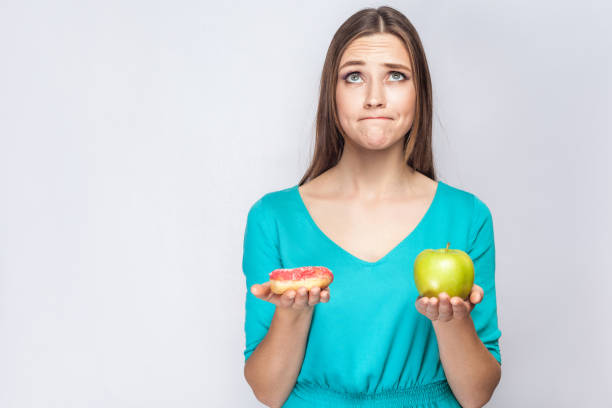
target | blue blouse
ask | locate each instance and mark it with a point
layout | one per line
(368, 346)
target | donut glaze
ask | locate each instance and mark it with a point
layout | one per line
(282, 280)
(303, 272)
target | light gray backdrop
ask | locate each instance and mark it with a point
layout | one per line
(135, 136)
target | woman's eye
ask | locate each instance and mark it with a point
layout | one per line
(351, 75)
(397, 73)
(398, 76)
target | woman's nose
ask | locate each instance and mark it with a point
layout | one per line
(375, 96)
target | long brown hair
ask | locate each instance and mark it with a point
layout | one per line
(329, 142)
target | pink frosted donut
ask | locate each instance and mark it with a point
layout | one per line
(282, 280)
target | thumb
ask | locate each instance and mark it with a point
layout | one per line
(261, 291)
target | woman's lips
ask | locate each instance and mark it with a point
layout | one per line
(378, 117)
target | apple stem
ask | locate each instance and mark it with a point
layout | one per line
(447, 245)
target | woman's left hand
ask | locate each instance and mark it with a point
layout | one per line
(444, 308)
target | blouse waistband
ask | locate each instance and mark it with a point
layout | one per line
(418, 394)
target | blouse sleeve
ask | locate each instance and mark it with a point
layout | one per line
(482, 252)
(260, 257)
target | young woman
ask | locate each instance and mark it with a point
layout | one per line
(366, 207)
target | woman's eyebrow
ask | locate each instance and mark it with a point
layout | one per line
(386, 64)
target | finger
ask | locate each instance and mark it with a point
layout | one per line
(315, 296)
(421, 305)
(261, 291)
(301, 300)
(460, 307)
(287, 298)
(445, 309)
(325, 295)
(476, 295)
(432, 308)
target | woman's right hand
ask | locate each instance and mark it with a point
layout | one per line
(291, 299)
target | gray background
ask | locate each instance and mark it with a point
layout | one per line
(135, 136)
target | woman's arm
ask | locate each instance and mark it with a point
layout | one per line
(471, 370)
(273, 367)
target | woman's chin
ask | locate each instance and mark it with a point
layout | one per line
(376, 141)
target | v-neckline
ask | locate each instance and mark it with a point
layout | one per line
(390, 252)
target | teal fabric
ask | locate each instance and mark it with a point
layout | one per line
(368, 346)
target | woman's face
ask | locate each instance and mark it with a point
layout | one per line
(369, 88)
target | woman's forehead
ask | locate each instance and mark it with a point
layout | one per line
(376, 49)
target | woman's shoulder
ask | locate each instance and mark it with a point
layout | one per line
(274, 201)
(463, 200)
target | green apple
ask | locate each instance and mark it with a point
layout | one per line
(444, 270)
